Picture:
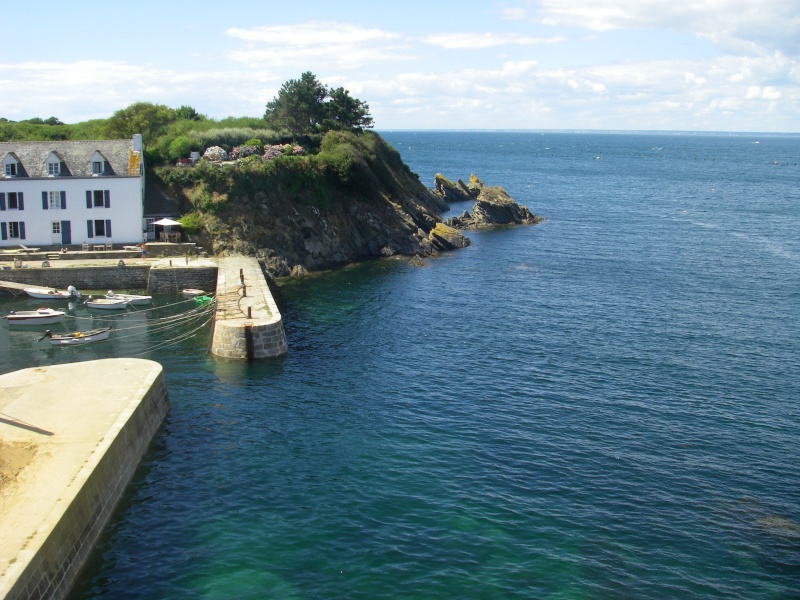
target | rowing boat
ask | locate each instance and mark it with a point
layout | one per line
(77, 337)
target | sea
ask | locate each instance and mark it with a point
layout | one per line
(604, 405)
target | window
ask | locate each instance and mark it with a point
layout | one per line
(13, 201)
(14, 229)
(53, 168)
(57, 227)
(97, 199)
(97, 167)
(54, 199)
(151, 229)
(11, 169)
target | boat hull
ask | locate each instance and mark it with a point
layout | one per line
(42, 294)
(191, 293)
(43, 316)
(107, 304)
(133, 299)
(79, 337)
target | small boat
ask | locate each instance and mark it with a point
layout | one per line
(133, 299)
(49, 294)
(41, 316)
(191, 293)
(77, 337)
(106, 303)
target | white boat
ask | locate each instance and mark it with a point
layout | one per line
(191, 293)
(106, 303)
(133, 299)
(41, 316)
(77, 337)
(50, 294)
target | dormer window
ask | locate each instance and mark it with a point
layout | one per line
(53, 168)
(11, 166)
(98, 165)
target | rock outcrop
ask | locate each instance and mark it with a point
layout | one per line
(355, 200)
(493, 205)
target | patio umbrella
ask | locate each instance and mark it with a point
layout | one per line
(167, 223)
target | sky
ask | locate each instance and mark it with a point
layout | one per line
(699, 65)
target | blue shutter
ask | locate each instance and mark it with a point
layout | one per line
(107, 198)
(90, 228)
(44, 200)
(3, 231)
(108, 228)
(21, 230)
(88, 199)
(2, 202)
(63, 200)
(66, 232)
(20, 201)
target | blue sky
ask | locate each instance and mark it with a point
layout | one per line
(705, 65)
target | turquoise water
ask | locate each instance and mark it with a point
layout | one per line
(604, 405)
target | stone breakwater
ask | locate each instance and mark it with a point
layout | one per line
(82, 449)
(247, 324)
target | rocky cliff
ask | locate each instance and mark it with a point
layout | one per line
(350, 200)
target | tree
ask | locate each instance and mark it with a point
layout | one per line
(343, 112)
(141, 117)
(298, 106)
(188, 113)
(306, 106)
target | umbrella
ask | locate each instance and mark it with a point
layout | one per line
(165, 221)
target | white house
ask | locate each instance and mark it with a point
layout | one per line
(71, 192)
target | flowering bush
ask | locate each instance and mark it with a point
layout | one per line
(215, 154)
(271, 152)
(244, 151)
(297, 150)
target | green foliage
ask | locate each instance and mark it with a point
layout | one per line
(151, 120)
(192, 222)
(305, 106)
(188, 113)
(343, 112)
(181, 146)
(255, 142)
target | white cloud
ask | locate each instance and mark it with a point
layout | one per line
(325, 44)
(470, 41)
(741, 26)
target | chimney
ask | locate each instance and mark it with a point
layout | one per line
(137, 142)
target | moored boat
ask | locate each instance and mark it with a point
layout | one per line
(77, 337)
(106, 303)
(41, 316)
(133, 299)
(50, 294)
(191, 293)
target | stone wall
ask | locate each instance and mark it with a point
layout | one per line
(165, 280)
(156, 280)
(237, 340)
(53, 570)
(128, 277)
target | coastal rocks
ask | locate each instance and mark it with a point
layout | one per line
(493, 206)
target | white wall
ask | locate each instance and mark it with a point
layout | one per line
(125, 211)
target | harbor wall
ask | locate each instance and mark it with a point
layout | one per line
(155, 279)
(248, 324)
(59, 547)
(166, 280)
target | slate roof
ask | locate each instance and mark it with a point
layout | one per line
(75, 154)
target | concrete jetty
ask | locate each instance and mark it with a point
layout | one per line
(70, 442)
(248, 324)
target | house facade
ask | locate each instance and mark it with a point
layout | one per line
(71, 192)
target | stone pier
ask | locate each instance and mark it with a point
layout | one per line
(70, 441)
(247, 323)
